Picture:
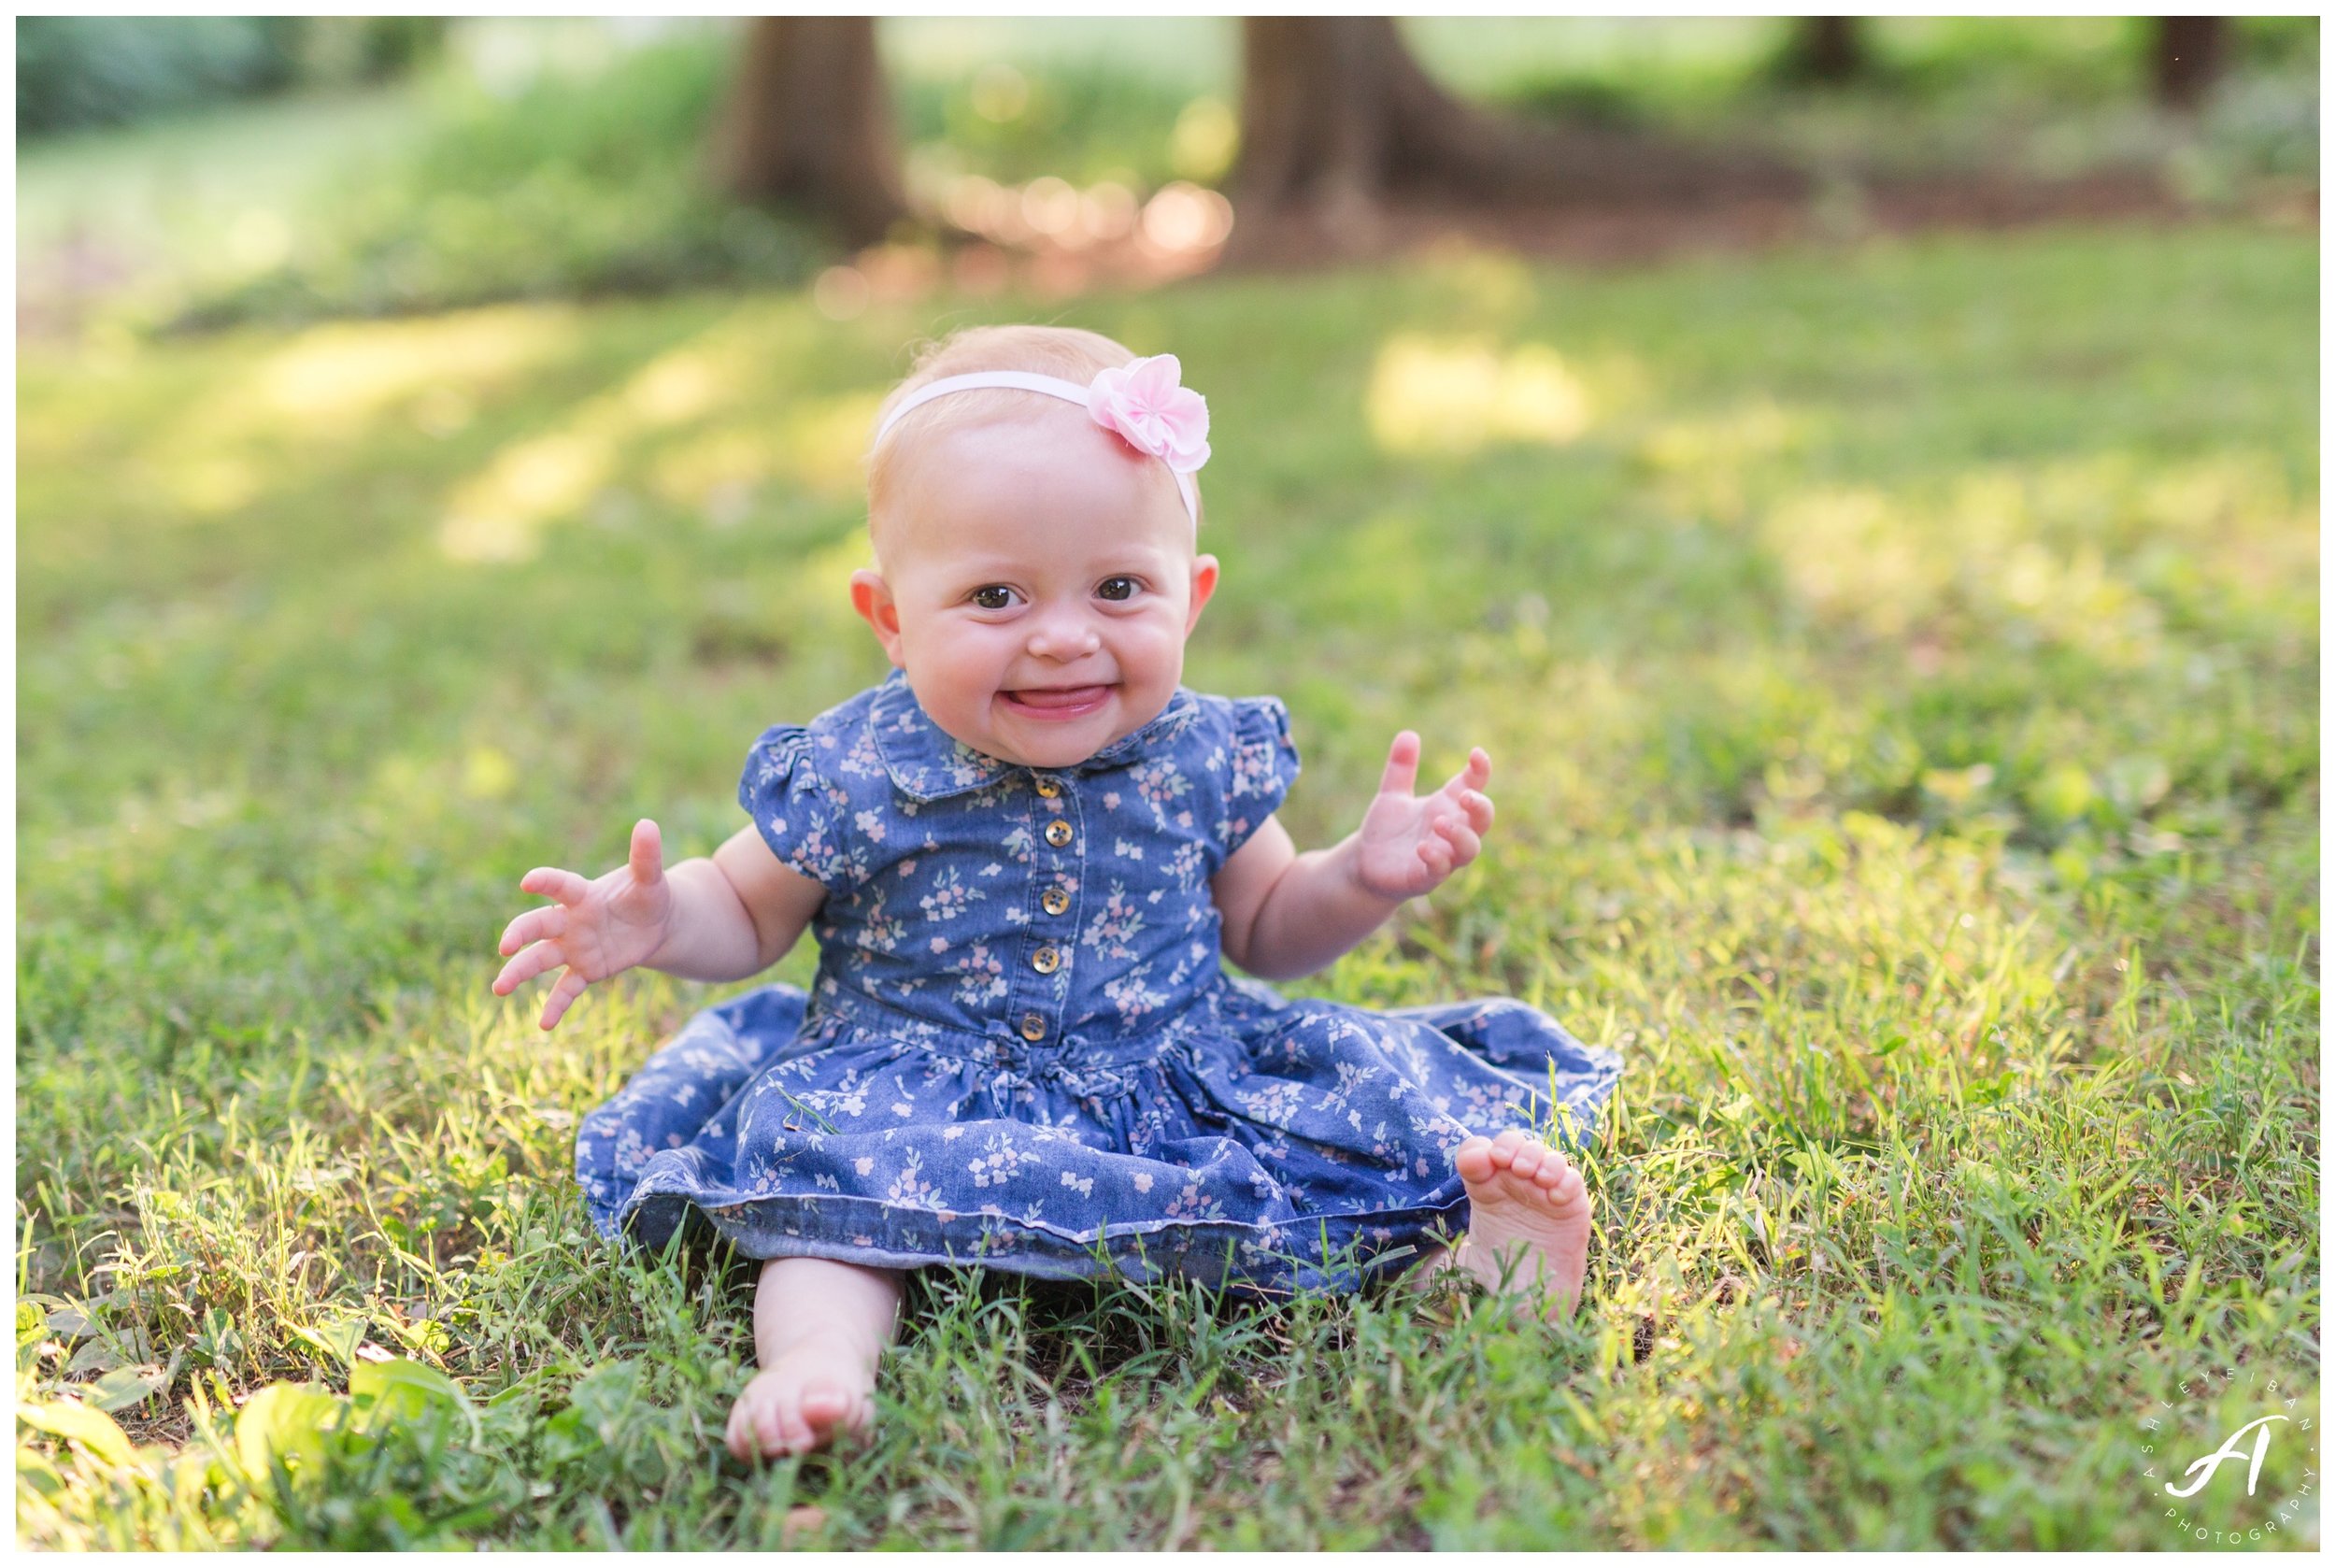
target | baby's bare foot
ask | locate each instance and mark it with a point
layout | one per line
(1529, 1219)
(814, 1393)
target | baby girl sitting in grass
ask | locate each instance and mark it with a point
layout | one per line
(1024, 856)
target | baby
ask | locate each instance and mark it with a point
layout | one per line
(1023, 856)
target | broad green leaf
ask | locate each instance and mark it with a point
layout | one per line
(69, 1320)
(96, 1356)
(286, 1419)
(402, 1391)
(34, 1470)
(126, 1386)
(337, 1340)
(76, 1422)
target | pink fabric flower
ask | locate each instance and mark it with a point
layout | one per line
(1145, 404)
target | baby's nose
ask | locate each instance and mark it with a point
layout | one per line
(1062, 640)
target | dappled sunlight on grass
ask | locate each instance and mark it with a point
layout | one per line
(336, 384)
(812, 445)
(2050, 555)
(1703, 461)
(822, 441)
(500, 514)
(1476, 288)
(424, 788)
(331, 381)
(1454, 397)
(708, 421)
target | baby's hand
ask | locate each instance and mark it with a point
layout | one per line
(597, 929)
(1410, 844)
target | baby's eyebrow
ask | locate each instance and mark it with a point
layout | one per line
(985, 569)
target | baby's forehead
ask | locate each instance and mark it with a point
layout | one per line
(1000, 422)
(1039, 449)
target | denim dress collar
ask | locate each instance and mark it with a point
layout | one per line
(926, 763)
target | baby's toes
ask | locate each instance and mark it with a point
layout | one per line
(776, 1419)
(1526, 1160)
(826, 1410)
(734, 1432)
(1473, 1159)
(745, 1435)
(1504, 1147)
(770, 1429)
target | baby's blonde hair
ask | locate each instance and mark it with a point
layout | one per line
(1070, 352)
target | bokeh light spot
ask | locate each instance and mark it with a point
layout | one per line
(1459, 396)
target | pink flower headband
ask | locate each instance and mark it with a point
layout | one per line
(1141, 401)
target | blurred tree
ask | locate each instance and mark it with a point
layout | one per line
(809, 120)
(1826, 48)
(2190, 52)
(74, 71)
(334, 50)
(1337, 118)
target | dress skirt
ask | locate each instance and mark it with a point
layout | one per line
(1247, 1141)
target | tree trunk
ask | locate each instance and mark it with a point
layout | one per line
(808, 120)
(2189, 53)
(1338, 119)
(1826, 48)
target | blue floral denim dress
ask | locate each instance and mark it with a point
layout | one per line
(1022, 1049)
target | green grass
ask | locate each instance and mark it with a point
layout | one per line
(1899, 668)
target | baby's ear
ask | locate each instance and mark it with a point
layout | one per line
(873, 598)
(1203, 584)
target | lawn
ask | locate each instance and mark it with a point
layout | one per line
(1899, 667)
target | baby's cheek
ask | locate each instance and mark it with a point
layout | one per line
(1157, 643)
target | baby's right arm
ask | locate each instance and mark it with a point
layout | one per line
(719, 918)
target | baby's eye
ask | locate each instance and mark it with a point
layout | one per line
(994, 597)
(1117, 589)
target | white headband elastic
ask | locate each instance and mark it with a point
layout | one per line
(1143, 403)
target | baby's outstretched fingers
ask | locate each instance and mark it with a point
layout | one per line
(571, 986)
(534, 961)
(1460, 837)
(1474, 775)
(1403, 765)
(1435, 853)
(647, 854)
(1479, 805)
(533, 926)
(549, 881)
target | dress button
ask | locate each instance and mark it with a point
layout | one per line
(1034, 1026)
(1049, 787)
(1058, 833)
(1045, 960)
(1054, 901)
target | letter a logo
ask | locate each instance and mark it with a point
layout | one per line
(2204, 1468)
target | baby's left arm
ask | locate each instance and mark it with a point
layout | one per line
(1287, 914)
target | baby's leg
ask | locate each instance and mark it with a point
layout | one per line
(1528, 1221)
(819, 1328)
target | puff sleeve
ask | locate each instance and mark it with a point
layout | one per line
(1263, 765)
(802, 816)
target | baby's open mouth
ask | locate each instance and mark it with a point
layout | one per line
(1056, 702)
